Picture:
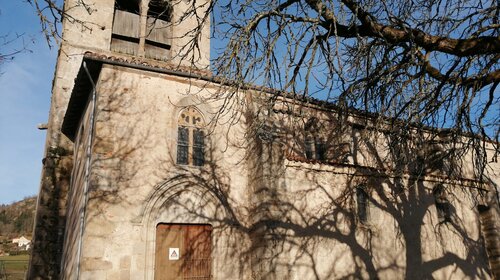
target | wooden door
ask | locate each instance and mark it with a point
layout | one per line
(183, 252)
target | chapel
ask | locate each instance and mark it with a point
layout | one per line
(156, 169)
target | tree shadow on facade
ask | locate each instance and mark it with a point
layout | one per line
(286, 198)
(303, 215)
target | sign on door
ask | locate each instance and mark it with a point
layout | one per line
(173, 254)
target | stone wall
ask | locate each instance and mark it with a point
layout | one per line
(275, 214)
(83, 30)
(278, 215)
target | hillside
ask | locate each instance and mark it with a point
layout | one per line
(16, 219)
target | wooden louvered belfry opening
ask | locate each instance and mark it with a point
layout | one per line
(126, 28)
(152, 38)
(183, 252)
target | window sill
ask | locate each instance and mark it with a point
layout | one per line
(189, 167)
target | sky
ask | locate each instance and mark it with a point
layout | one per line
(25, 88)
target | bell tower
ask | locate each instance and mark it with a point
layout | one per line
(153, 32)
(160, 30)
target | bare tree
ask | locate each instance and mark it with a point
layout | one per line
(429, 62)
(432, 63)
(409, 64)
(9, 47)
(51, 14)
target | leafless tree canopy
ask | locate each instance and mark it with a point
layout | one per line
(430, 62)
(11, 44)
(7, 53)
(426, 62)
(406, 62)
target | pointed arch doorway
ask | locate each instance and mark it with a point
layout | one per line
(183, 252)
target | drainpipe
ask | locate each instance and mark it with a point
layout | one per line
(88, 160)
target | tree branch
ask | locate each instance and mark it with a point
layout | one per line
(478, 81)
(371, 28)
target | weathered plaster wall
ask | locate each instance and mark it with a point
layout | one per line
(278, 218)
(402, 236)
(136, 183)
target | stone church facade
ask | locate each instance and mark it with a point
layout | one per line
(149, 173)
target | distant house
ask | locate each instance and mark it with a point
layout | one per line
(22, 242)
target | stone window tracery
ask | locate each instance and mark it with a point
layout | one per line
(191, 138)
(314, 145)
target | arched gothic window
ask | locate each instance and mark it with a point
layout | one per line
(362, 204)
(442, 204)
(190, 138)
(314, 145)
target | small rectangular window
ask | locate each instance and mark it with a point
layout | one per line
(443, 211)
(320, 150)
(309, 147)
(362, 204)
(443, 207)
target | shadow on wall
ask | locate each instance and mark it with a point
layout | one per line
(348, 202)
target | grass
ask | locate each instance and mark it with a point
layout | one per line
(15, 266)
(15, 258)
